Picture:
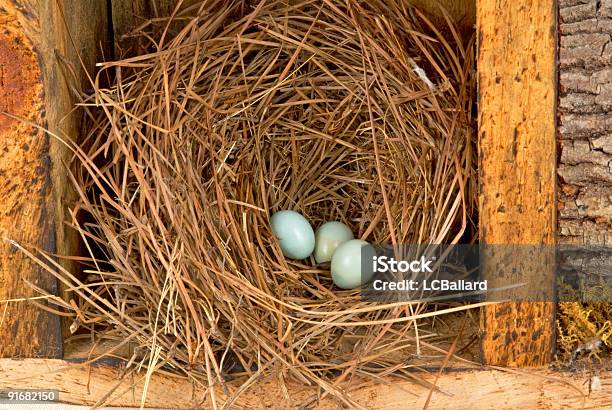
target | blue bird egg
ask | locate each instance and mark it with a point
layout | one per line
(351, 264)
(328, 237)
(294, 233)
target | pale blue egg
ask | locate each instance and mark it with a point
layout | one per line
(295, 235)
(328, 237)
(351, 264)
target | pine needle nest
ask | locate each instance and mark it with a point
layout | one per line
(342, 110)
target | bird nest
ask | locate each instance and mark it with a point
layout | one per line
(342, 110)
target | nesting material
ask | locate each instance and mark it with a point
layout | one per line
(584, 334)
(342, 110)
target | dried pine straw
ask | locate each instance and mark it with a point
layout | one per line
(342, 110)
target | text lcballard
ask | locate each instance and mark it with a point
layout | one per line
(384, 264)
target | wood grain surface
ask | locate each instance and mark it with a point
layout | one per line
(516, 119)
(46, 48)
(484, 389)
(26, 192)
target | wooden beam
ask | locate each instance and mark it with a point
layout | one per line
(39, 65)
(26, 202)
(517, 98)
(485, 389)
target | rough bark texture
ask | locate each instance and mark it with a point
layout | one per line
(516, 120)
(585, 122)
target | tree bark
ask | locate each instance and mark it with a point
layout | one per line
(585, 122)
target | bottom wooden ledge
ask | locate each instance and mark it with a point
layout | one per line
(479, 389)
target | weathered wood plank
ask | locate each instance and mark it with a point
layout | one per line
(36, 85)
(486, 389)
(517, 83)
(26, 197)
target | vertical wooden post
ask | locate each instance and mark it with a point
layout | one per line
(517, 99)
(26, 212)
(34, 189)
